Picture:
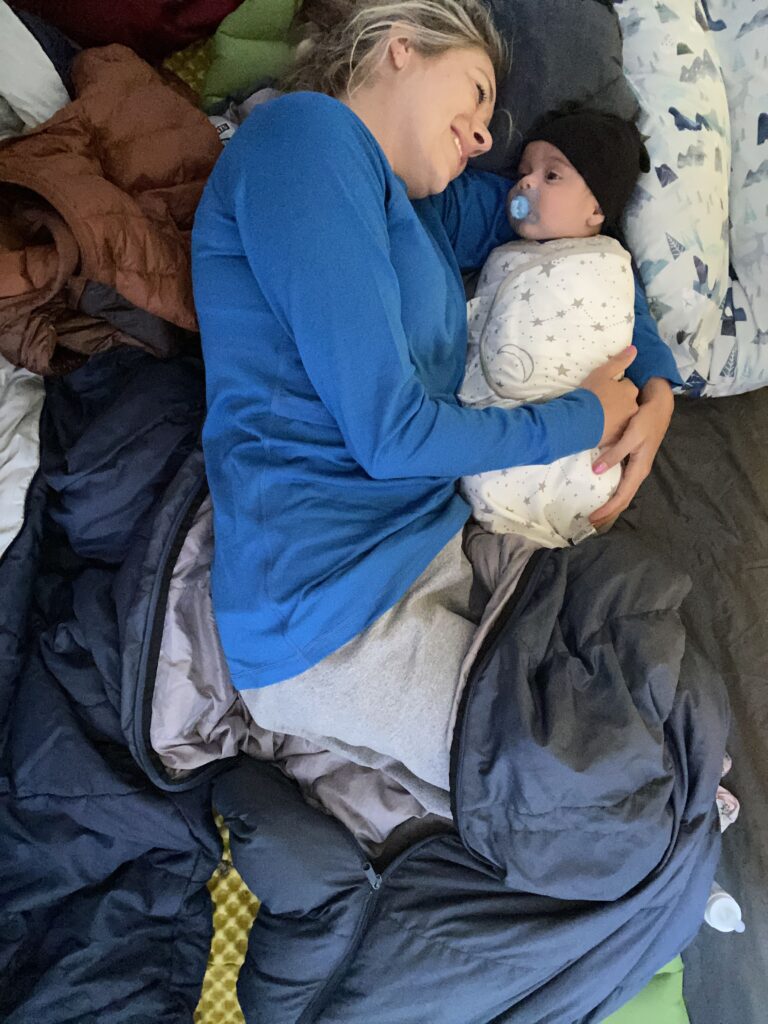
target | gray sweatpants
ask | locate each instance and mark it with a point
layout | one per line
(385, 698)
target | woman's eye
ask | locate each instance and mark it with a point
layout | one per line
(481, 93)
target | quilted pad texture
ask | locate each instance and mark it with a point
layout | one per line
(234, 910)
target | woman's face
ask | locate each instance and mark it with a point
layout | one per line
(567, 208)
(441, 107)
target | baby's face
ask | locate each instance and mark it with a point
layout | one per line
(567, 209)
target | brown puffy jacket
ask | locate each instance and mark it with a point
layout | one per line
(105, 191)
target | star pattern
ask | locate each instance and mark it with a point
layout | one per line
(556, 500)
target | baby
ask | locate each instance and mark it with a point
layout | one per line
(550, 308)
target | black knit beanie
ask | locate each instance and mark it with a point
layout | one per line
(607, 151)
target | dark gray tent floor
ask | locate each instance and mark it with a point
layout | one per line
(705, 507)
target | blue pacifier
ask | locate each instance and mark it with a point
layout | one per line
(520, 207)
(523, 206)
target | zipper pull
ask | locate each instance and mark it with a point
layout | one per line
(374, 879)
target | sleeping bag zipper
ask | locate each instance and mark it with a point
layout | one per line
(376, 881)
(193, 492)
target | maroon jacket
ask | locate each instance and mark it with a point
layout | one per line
(153, 28)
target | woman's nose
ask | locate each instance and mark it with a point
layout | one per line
(481, 138)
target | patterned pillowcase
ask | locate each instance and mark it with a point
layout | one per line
(677, 220)
(683, 58)
(740, 354)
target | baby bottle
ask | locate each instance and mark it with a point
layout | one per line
(723, 912)
(523, 206)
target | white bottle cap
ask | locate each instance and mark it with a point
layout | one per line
(723, 913)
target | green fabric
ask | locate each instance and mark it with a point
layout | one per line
(660, 1002)
(250, 45)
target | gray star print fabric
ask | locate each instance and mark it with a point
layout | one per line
(543, 317)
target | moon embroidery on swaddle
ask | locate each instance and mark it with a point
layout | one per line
(518, 363)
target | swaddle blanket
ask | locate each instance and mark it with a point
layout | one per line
(544, 316)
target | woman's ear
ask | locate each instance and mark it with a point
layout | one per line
(596, 218)
(400, 50)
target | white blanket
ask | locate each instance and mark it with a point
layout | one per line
(544, 316)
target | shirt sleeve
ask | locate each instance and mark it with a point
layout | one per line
(654, 358)
(315, 235)
(473, 209)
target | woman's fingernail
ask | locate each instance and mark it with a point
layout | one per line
(599, 468)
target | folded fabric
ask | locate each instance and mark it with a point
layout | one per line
(250, 47)
(660, 1002)
(110, 185)
(145, 330)
(21, 399)
(559, 51)
(39, 328)
(59, 49)
(191, 64)
(31, 89)
(153, 28)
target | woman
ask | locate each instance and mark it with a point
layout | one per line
(327, 256)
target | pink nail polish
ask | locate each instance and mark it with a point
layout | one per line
(600, 467)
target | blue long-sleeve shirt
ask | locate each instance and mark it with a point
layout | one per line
(334, 335)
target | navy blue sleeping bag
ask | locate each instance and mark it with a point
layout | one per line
(587, 751)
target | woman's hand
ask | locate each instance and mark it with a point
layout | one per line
(638, 444)
(618, 397)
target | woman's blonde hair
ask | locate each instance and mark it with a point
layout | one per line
(348, 38)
